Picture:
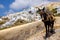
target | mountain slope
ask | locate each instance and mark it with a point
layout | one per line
(30, 31)
(22, 16)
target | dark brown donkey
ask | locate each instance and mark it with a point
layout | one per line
(48, 21)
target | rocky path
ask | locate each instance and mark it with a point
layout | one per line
(40, 36)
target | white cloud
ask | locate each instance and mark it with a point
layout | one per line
(54, 0)
(9, 12)
(1, 6)
(20, 4)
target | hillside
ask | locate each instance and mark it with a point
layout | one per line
(50, 5)
(30, 31)
(53, 5)
(18, 19)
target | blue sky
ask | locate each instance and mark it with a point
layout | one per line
(4, 6)
(13, 6)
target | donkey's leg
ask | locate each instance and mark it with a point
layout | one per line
(52, 27)
(46, 27)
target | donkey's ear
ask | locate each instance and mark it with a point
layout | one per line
(38, 10)
(43, 8)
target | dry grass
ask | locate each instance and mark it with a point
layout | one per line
(2, 22)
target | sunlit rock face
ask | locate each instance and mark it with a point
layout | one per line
(24, 15)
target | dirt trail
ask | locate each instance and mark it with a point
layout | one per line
(40, 36)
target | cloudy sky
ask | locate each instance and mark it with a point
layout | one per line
(13, 6)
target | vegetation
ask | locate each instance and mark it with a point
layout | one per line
(5, 18)
(54, 10)
(2, 22)
(58, 14)
(18, 22)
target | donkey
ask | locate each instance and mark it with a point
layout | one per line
(48, 20)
